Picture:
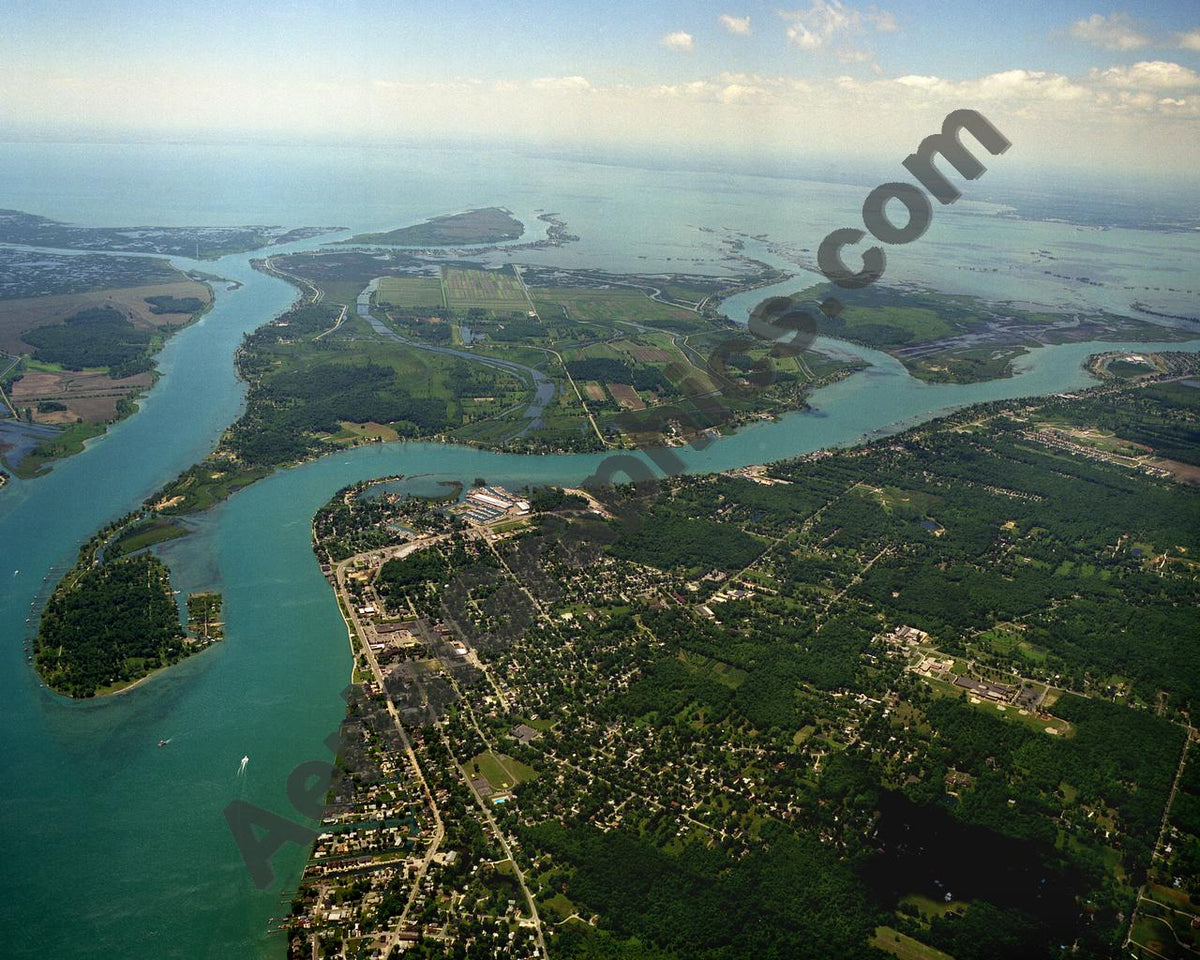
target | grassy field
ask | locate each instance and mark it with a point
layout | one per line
(69, 442)
(722, 673)
(408, 292)
(342, 291)
(493, 291)
(608, 306)
(500, 770)
(144, 534)
(904, 947)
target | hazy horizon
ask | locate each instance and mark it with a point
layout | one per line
(1074, 86)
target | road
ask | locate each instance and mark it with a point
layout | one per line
(374, 558)
(359, 633)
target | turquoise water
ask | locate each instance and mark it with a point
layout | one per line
(115, 847)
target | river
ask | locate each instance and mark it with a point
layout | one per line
(116, 847)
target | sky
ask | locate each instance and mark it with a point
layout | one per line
(1073, 85)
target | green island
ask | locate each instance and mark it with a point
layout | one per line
(78, 335)
(113, 620)
(473, 227)
(529, 359)
(928, 697)
(948, 338)
(108, 626)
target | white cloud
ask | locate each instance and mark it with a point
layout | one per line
(738, 25)
(813, 28)
(1147, 75)
(1101, 119)
(561, 83)
(881, 20)
(1189, 40)
(1115, 32)
(830, 22)
(678, 40)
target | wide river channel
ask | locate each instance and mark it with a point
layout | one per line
(115, 847)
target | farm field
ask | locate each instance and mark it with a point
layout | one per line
(19, 316)
(493, 291)
(409, 292)
(608, 306)
(65, 396)
(626, 396)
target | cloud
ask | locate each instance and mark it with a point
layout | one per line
(678, 40)
(1115, 32)
(1189, 40)
(1147, 75)
(738, 25)
(1099, 119)
(812, 29)
(831, 24)
(561, 83)
(881, 20)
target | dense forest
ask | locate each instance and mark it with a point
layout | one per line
(284, 412)
(95, 337)
(670, 539)
(793, 899)
(109, 623)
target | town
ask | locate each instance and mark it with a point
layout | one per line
(562, 691)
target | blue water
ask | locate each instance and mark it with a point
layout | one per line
(115, 847)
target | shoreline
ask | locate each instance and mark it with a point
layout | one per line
(132, 399)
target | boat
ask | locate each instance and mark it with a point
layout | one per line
(163, 743)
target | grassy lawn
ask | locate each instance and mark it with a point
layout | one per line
(558, 906)
(500, 770)
(508, 525)
(904, 947)
(365, 431)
